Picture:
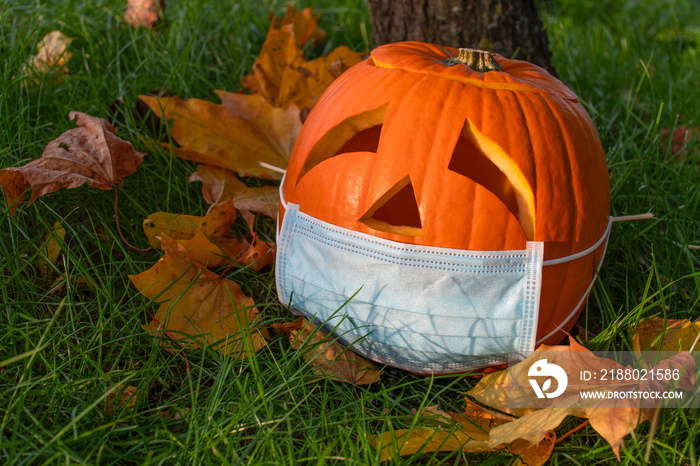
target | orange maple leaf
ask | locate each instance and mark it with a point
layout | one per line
(90, 154)
(283, 76)
(208, 239)
(612, 418)
(532, 434)
(305, 25)
(467, 431)
(198, 307)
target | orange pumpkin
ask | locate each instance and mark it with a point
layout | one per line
(415, 146)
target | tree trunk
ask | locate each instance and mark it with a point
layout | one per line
(509, 27)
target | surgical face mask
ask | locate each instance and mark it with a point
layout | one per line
(420, 308)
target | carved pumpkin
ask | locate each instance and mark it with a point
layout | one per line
(415, 146)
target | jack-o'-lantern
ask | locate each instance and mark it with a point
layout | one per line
(454, 150)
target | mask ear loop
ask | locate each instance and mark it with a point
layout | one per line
(605, 238)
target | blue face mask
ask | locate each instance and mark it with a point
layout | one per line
(419, 308)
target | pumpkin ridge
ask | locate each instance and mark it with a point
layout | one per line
(570, 183)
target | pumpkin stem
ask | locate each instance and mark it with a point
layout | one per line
(478, 60)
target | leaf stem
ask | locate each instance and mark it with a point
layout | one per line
(572, 431)
(119, 230)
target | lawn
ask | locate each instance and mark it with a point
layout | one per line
(65, 353)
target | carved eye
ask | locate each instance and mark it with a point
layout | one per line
(468, 161)
(482, 161)
(359, 133)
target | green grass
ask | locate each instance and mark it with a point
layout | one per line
(634, 64)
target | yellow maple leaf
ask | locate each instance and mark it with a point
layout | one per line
(659, 334)
(612, 418)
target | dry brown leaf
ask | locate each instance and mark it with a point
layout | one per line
(219, 184)
(176, 418)
(90, 154)
(51, 54)
(283, 76)
(14, 185)
(682, 141)
(122, 397)
(326, 356)
(145, 13)
(613, 419)
(305, 25)
(63, 283)
(208, 239)
(208, 133)
(199, 307)
(658, 334)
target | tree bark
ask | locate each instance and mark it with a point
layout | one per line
(509, 27)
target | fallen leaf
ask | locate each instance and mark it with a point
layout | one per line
(199, 307)
(176, 418)
(219, 184)
(145, 13)
(305, 25)
(52, 248)
(90, 154)
(14, 185)
(659, 334)
(475, 415)
(326, 356)
(123, 112)
(682, 140)
(405, 442)
(208, 239)
(468, 432)
(533, 427)
(62, 283)
(51, 54)
(122, 397)
(613, 419)
(208, 133)
(283, 76)
(280, 126)
(535, 455)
